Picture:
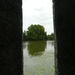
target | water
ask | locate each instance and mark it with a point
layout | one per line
(38, 58)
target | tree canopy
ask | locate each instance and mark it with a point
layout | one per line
(36, 32)
(24, 36)
(50, 37)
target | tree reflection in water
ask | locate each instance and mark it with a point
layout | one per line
(36, 48)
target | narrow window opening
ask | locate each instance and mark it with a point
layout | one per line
(38, 51)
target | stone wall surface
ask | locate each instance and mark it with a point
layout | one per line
(11, 37)
(64, 28)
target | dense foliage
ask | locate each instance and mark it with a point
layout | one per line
(36, 33)
(50, 37)
(24, 36)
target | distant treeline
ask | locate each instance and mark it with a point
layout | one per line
(36, 33)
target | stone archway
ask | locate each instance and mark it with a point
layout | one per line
(11, 37)
(64, 27)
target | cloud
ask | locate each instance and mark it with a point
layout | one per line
(38, 12)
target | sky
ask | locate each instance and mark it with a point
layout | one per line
(38, 12)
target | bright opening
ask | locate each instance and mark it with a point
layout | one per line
(38, 51)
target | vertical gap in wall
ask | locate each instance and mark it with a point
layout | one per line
(38, 50)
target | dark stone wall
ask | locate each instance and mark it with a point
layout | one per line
(64, 27)
(11, 37)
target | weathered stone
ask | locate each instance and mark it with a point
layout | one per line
(64, 25)
(11, 37)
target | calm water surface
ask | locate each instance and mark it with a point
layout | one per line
(38, 58)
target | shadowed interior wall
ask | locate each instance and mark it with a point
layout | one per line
(64, 27)
(11, 37)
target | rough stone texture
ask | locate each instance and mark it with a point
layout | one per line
(64, 25)
(11, 37)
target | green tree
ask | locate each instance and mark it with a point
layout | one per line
(24, 36)
(50, 37)
(36, 32)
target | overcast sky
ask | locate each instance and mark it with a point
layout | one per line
(38, 12)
